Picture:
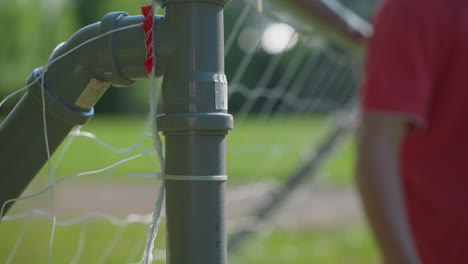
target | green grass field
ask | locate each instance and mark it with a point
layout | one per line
(256, 152)
(348, 246)
(105, 243)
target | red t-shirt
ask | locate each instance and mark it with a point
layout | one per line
(417, 67)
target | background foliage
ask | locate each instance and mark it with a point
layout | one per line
(32, 29)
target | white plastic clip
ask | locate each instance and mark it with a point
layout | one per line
(159, 176)
(195, 177)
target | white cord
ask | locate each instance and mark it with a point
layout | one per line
(147, 257)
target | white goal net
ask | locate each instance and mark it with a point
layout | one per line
(292, 93)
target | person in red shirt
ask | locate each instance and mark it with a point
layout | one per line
(412, 168)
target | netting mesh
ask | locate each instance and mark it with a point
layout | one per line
(292, 95)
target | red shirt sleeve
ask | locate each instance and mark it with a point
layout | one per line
(398, 72)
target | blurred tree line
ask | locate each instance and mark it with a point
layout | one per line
(31, 29)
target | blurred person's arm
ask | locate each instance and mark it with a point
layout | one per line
(378, 178)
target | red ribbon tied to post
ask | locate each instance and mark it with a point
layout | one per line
(148, 23)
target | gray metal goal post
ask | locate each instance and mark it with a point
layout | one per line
(190, 53)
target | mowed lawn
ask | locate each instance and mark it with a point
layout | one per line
(97, 241)
(258, 150)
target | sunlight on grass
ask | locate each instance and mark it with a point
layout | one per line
(349, 246)
(102, 241)
(256, 151)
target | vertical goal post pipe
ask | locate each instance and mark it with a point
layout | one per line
(195, 123)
